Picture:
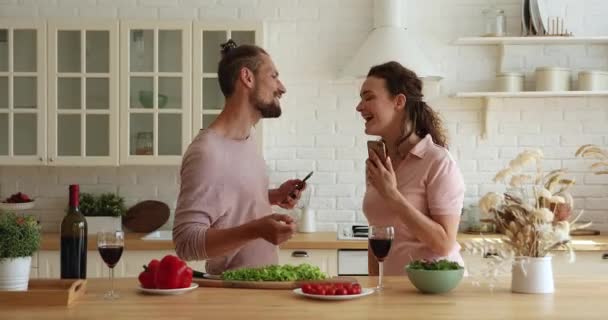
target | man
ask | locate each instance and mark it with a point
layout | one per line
(224, 210)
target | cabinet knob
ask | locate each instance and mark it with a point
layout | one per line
(41, 159)
(605, 256)
(299, 254)
(50, 159)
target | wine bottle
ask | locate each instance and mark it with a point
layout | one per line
(74, 240)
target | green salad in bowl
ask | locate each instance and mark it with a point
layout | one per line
(439, 276)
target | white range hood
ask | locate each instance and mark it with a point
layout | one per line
(389, 41)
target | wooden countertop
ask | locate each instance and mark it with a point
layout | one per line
(317, 240)
(575, 298)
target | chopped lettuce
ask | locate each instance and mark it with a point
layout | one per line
(434, 265)
(276, 273)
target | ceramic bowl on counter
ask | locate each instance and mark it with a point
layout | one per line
(434, 281)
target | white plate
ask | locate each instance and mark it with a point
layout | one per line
(193, 286)
(364, 292)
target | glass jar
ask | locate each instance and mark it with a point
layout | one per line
(144, 143)
(495, 22)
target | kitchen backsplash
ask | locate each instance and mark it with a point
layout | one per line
(310, 41)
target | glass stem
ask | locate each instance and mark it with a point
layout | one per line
(380, 273)
(112, 280)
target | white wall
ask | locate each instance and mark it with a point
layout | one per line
(310, 40)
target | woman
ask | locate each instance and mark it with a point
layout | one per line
(418, 189)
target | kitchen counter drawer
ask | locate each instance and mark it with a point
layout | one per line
(326, 260)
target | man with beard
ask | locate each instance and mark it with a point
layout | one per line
(224, 210)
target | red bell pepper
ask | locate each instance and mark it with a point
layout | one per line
(173, 273)
(147, 277)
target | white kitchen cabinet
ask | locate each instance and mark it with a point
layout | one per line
(155, 97)
(326, 260)
(22, 92)
(130, 265)
(83, 93)
(208, 99)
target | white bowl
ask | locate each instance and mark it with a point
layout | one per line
(17, 206)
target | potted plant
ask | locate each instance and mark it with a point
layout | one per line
(103, 212)
(19, 239)
(533, 216)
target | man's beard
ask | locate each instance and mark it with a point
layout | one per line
(267, 109)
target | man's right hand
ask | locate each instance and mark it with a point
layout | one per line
(276, 228)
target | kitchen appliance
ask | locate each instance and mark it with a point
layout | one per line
(352, 262)
(396, 43)
(352, 232)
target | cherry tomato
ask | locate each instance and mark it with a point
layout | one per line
(306, 288)
(313, 291)
(341, 292)
(321, 292)
(330, 292)
(355, 290)
(338, 285)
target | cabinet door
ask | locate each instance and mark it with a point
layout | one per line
(49, 265)
(326, 260)
(22, 92)
(208, 99)
(155, 99)
(83, 93)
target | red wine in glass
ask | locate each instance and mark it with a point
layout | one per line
(111, 254)
(380, 241)
(110, 246)
(380, 247)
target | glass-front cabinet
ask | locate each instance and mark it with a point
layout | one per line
(208, 99)
(83, 93)
(22, 92)
(155, 91)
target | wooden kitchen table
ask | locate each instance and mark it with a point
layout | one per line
(575, 298)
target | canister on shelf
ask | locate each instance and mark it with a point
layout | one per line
(495, 22)
(593, 80)
(552, 79)
(510, 82)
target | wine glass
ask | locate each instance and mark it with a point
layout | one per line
(380, 240)
(110, 246)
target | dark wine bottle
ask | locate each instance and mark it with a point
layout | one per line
(74, 240)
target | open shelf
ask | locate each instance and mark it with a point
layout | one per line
(530, 94)
(532, 40)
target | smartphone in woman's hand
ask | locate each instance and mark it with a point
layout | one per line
(379, 148)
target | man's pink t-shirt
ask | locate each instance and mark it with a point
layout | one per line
(223, 185)
(430, 180)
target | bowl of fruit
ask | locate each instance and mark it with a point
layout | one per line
(17, 201)
(434, 276)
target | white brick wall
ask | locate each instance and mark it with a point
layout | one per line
(310, 41)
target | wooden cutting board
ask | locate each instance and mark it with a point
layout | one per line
(273, 285)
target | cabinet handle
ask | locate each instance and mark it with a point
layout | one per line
(50, 159)
(299, 254)
(490, 254)
(41, 159)
(605, 256)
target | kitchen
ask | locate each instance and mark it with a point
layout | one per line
(319, 129)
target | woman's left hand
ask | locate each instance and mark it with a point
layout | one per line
(381, 175)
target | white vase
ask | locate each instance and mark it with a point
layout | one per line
(307, 223)
(532, 275)
(107, 224)
(15, 273)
